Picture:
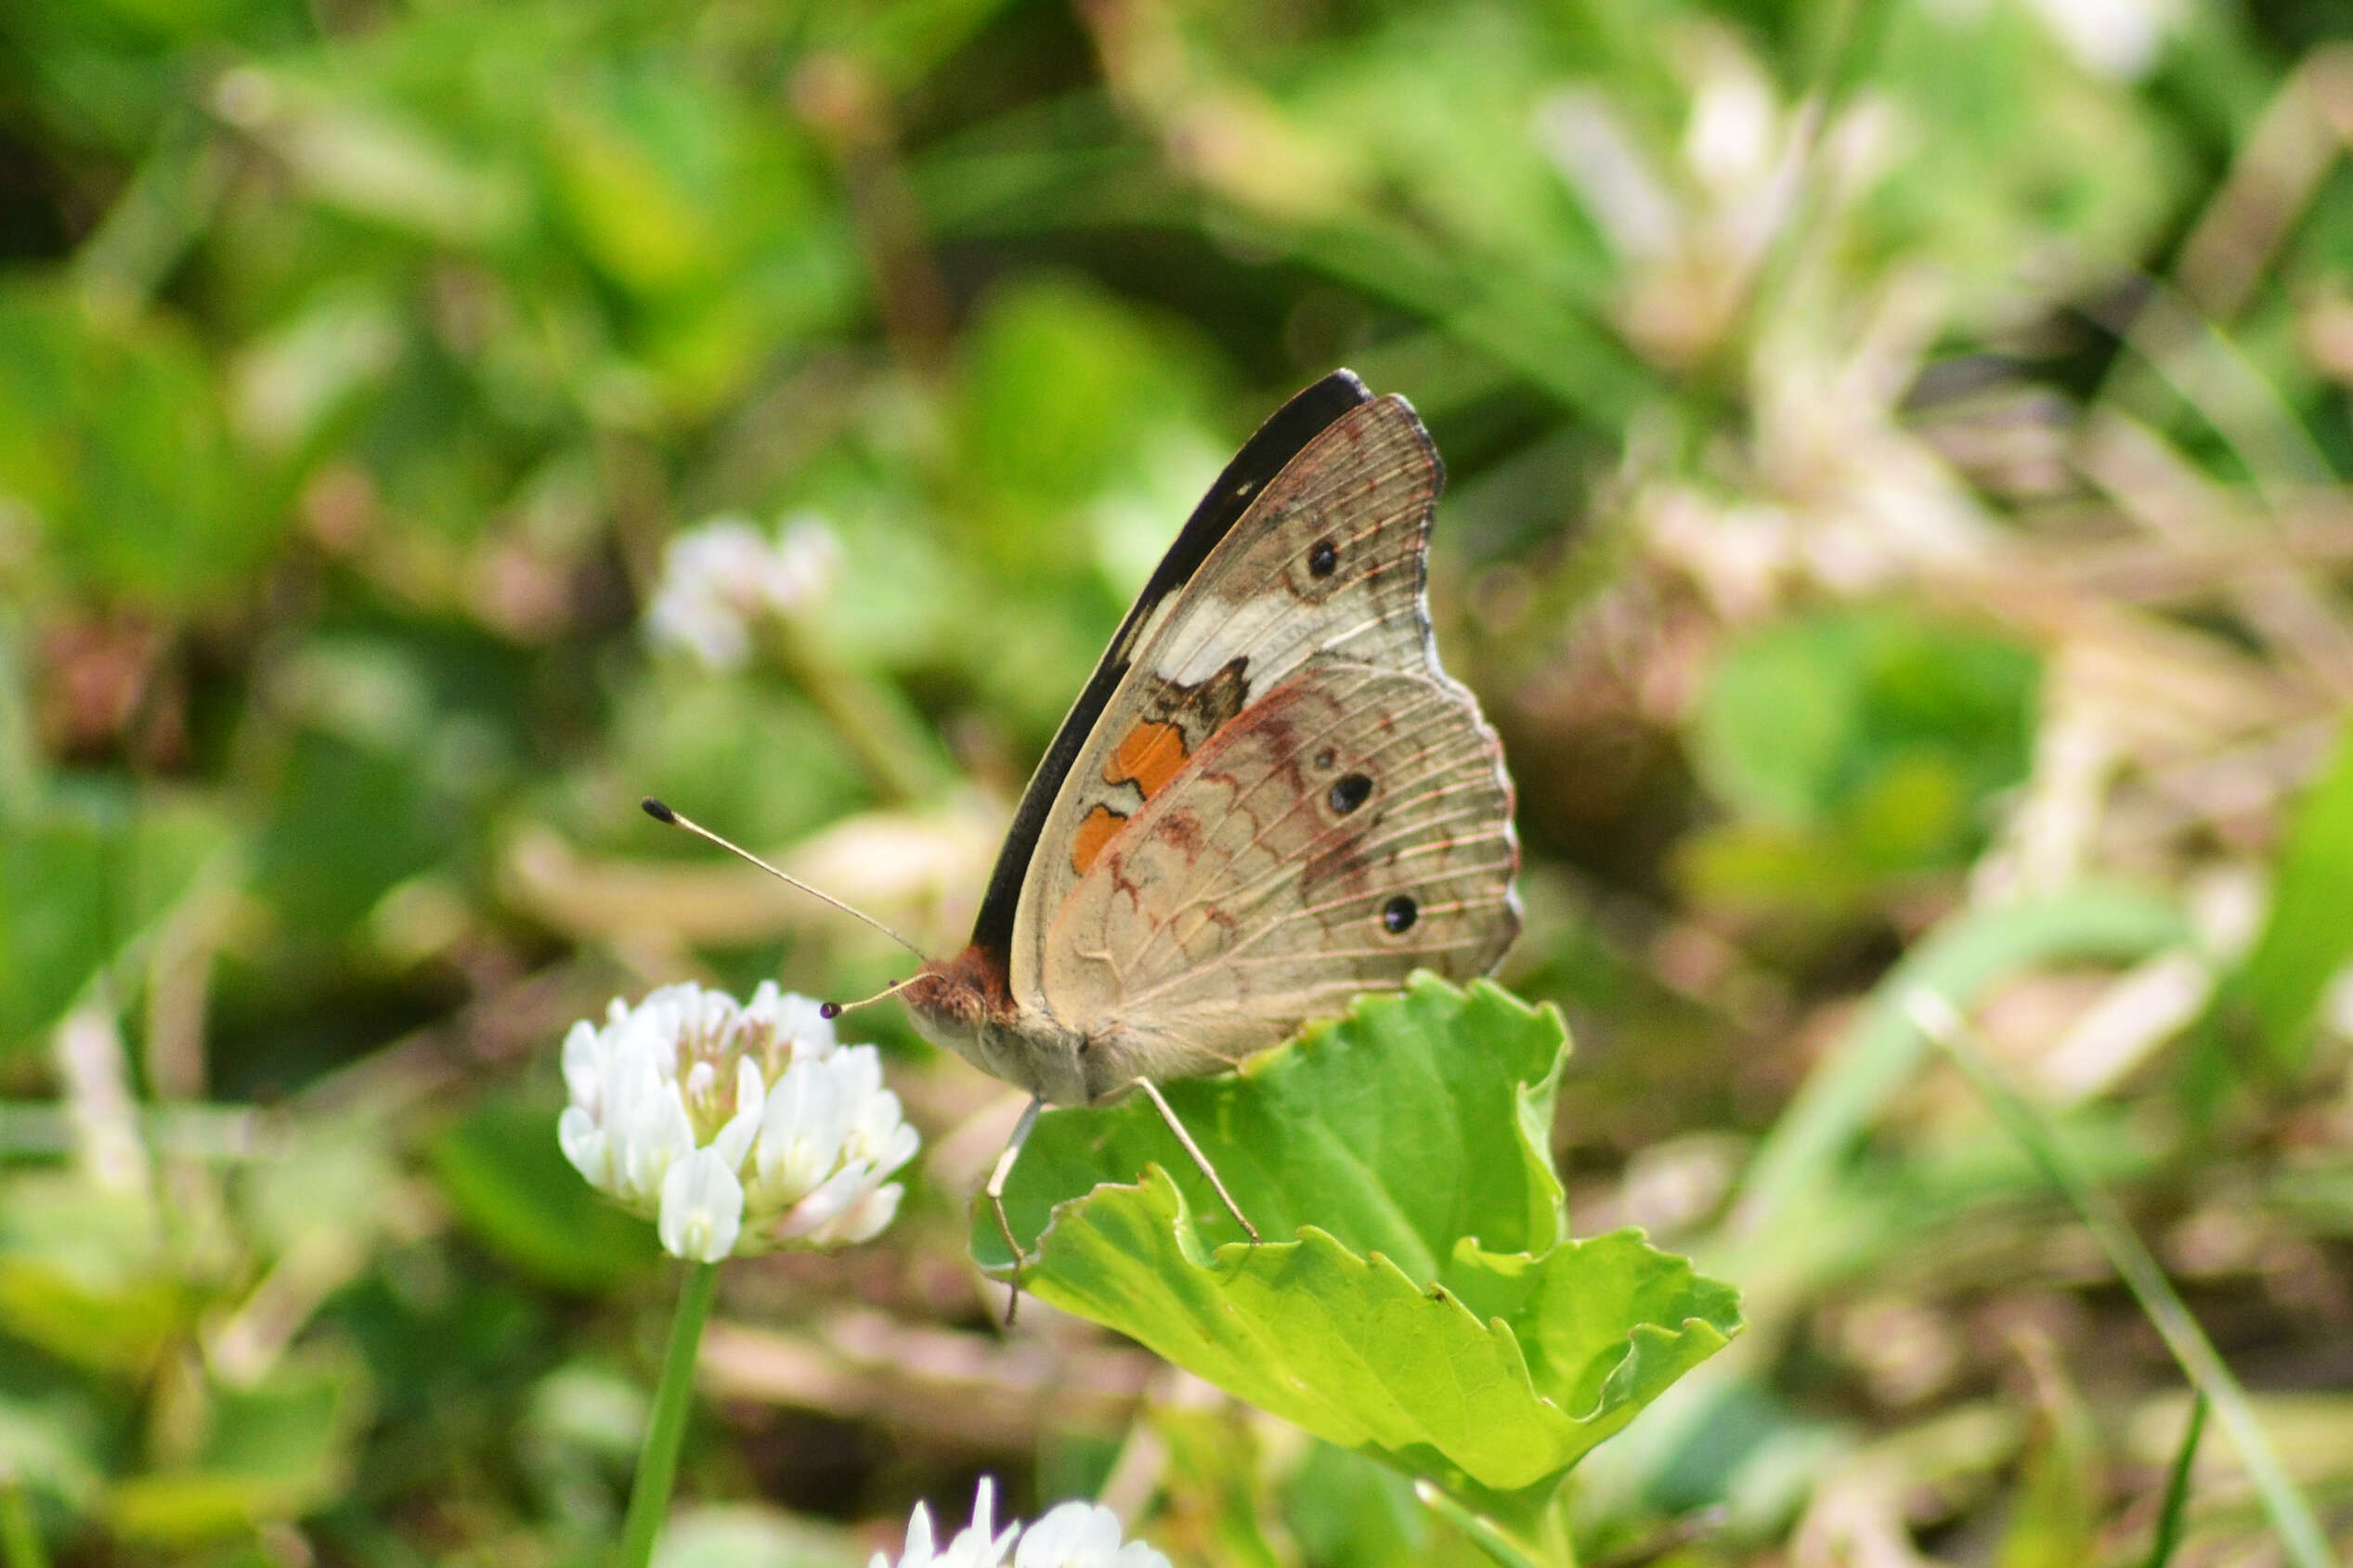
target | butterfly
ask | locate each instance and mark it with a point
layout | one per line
(1268, 798)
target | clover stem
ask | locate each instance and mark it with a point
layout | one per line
(1551, 1547)
(2302, 1539)
(657, 1462)
(897, 754)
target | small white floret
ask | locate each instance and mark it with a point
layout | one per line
(702, 1208)
(1082, 1535)
(1074, 1534)
(978, 1545)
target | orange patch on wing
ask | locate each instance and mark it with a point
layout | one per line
(1095, 830)
(1151, 754)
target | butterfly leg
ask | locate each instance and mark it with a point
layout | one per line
(994, 1191)
(1169, 1116)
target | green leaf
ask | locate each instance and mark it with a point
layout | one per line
(82, 1276)
(1346, 1508)
(2307, 938)
(515, 1191)
(1883, 732)
(114, 451)
(350, 821)
(52, 943)
(1417, 1119)
(666, 186)
(119, 1332)
(105, 868)
(277, 1450)
(1427, 1312)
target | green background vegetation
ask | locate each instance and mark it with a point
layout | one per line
(1898, 522)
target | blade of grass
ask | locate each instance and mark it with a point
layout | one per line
(1557, 342)
(2204, 366)
(1877, 1056)
(1940, 1022)
(1781, 1236)
(2177, 1501)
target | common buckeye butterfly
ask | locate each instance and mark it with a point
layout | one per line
(1267, 797)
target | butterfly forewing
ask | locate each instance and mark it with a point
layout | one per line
(1270, 450)
(1328, 562)
(1268, 798)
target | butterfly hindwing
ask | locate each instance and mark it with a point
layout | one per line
(1351, 826)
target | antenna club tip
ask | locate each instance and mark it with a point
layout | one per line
(658, 811)
(829, 1009)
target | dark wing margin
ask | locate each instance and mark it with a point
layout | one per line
(1266, 454)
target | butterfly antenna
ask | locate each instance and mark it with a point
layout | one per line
(834, 1010)
(662, 813)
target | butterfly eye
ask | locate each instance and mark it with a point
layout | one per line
(1349, 794)
(1398, 915)
(1323, 558)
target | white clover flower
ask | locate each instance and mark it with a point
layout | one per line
(1082, 1535)
(737, 1128)
(978, 1545)
(1070, 1535)
(719, 577)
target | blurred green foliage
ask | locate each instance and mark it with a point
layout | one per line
(1897, 520)
(1859, 747)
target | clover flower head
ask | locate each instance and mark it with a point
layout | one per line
(1077, 1534)
(722, 577)
(737, 1128)
(1070, 1535)
(978, 1545)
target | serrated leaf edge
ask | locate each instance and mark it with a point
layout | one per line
(1682, 1345)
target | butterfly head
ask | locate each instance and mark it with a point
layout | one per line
(964, 1004)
